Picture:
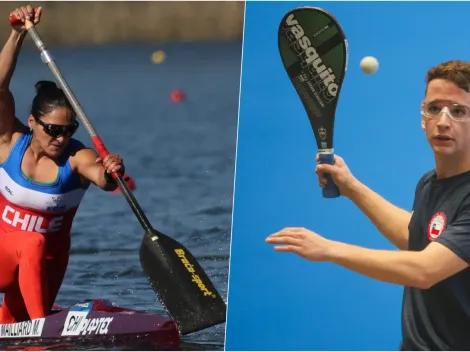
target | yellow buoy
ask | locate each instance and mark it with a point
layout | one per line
(158, 57)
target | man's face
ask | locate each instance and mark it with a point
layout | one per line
(446, 135)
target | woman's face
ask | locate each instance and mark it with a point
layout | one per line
(54, 130)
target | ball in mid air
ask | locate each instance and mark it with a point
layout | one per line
(369, 65)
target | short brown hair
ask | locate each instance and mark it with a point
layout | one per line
(455, 71)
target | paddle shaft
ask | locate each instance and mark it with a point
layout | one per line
(97, 142)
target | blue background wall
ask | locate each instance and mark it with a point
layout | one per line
(280, 301)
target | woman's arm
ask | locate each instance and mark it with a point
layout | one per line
(8, 60)
(88, 165)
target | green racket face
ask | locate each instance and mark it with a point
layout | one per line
(314, 52)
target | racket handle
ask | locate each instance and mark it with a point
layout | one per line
(331, 190)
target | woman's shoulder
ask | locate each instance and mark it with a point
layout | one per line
(75, 146)
(78, 153)
(19, 129)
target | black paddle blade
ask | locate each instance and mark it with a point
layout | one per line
(314, 52)
(182, 286)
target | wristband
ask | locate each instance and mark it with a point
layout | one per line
(109, 179)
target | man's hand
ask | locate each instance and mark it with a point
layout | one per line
(342, 177)
(301, 241)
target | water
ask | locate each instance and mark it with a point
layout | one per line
(181, 156)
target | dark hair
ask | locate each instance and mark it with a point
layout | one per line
(48, 97)
(455, 71)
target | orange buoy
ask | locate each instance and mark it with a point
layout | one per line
(177, 96)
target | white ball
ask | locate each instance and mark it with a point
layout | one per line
(369, 65)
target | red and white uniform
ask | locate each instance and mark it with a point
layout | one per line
(35, 223)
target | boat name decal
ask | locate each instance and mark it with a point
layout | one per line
(78, 324)
(28, 328)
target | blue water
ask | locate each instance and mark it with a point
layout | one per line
(280, 301)
(181, 156)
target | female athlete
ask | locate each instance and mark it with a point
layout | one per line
(44, 174)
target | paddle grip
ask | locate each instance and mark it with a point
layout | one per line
(102, 151)
(100, 147)
(331, 190)
(14, 20)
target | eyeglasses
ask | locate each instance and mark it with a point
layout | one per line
(55, 131)
(456, 112)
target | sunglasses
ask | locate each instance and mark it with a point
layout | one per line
(55, 131)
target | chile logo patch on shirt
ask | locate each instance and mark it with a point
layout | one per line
(437, 225)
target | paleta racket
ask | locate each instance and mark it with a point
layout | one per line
(314, 51)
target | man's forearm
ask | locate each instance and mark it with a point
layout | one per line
(396, 267)
(390, 220)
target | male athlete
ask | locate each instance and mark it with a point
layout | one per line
(436, 307)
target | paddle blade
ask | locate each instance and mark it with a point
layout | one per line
(181, 284)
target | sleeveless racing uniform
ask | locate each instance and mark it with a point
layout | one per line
(35, 224)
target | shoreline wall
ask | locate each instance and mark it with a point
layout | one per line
(98, 22)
